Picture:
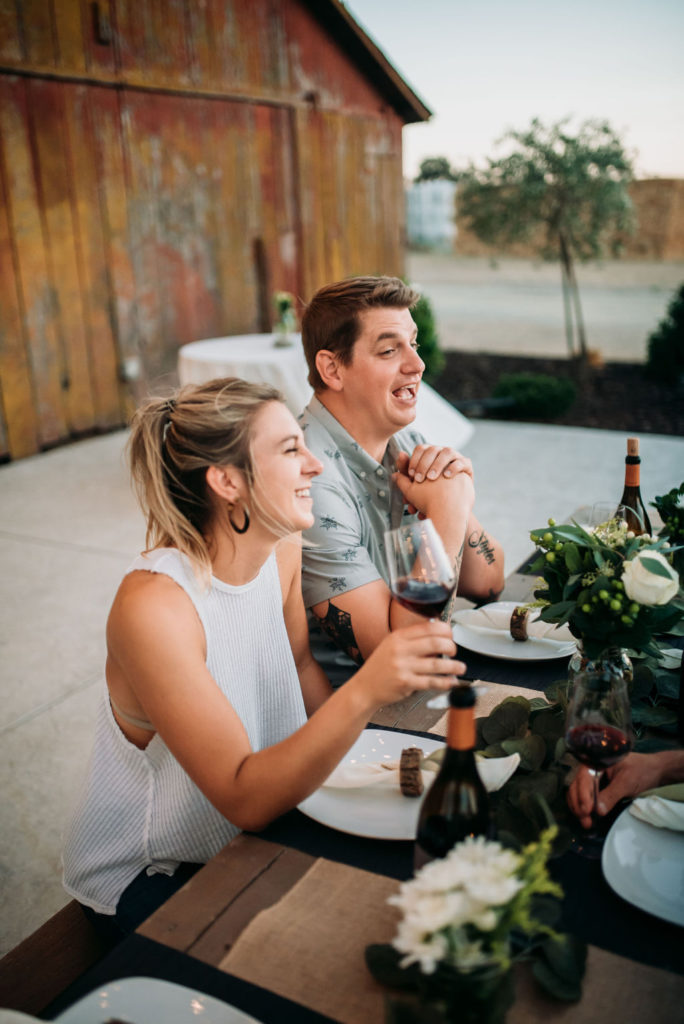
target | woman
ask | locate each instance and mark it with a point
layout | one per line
(215, 717)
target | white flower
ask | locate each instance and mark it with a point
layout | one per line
(647, 587)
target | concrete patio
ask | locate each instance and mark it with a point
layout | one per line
(69, 527)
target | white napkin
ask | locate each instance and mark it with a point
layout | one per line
(655, 808)
(490, 619)
(494, 772)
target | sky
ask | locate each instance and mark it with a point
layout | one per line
(487, 66)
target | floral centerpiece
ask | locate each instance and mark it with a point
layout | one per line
(285, 323)
(466, 918)
(614, 589)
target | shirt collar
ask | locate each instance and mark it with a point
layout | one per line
(357, 458)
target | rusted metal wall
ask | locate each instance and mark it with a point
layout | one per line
(165, 166)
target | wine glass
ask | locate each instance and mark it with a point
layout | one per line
(421, 576)
(598, 731)
(591, 516)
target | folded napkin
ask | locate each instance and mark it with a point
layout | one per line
(662, 807)
(489, 619)
(494, 772)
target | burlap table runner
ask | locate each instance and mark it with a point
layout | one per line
(309, 947)
(488, 700)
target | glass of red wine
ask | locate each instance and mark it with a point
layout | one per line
(421, 576)
(598, 731)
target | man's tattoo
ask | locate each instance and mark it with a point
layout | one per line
(482, 545)
(338, 625)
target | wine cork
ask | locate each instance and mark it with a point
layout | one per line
(632, 445)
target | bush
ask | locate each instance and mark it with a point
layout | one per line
(428, 343)
(665, 360)
(536, 395)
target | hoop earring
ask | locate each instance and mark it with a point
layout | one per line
(245, 525)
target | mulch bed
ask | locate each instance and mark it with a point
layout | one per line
(615, 396)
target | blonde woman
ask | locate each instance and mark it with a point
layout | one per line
(215, 717)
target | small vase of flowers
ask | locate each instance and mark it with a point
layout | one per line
(285, 323)
(465, 919)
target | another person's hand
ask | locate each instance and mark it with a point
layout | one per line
(410, 659)
(633, 775)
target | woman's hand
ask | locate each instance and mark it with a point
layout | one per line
(410, 659)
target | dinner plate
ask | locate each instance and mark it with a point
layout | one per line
(377, 813)
(150, 1001)
(498, 644)
(645, 865)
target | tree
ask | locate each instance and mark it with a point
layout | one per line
(434, 168)
(565, 193)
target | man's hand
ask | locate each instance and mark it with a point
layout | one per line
(428, 495)
(428, 461)
(633, 775)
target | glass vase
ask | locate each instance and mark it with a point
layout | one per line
(284, 330)
(613, 660)
(482, 996)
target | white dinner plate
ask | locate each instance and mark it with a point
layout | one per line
(645, 865)
(151, 1001)
(378, 813)
(499, 644)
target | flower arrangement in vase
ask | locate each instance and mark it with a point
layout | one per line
(286, 323)
(465, 919)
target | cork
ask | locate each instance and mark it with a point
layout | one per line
(632, 445)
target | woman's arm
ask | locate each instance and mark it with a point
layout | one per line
(315, 685)
(156, 646)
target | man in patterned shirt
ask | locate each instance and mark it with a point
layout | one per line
(360, 344)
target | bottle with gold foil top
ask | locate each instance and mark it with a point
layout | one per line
(631, 496)
(456, 805)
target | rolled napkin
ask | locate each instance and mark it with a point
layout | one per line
(662, 807)
(493, 619)
(494, 772)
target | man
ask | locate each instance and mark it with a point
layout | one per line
(360, 344)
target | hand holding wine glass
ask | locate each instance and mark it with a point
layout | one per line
(598, 732)
(421, 576)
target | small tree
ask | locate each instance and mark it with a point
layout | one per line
(566, 193)
(435, 168)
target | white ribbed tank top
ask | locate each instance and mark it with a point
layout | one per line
(138, 808)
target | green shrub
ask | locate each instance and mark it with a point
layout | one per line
(428, 343)
(665, 360)
(535, 394)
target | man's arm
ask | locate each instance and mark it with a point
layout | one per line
(359, 618)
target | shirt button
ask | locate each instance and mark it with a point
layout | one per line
(362, 474)
(381, 494)
(380, 471)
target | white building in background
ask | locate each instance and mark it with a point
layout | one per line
(431, 214)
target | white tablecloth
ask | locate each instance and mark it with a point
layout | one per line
(254, 357)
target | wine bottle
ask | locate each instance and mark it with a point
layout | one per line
(631, 496)
(456, 805)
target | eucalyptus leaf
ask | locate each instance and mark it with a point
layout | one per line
(668, 685)
(648, 714)
(532, 750)
(507, 720)
(559, 967)
(573, 559)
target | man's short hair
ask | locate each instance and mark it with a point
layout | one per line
(331, 320)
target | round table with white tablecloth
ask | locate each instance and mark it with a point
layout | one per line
(255, 357)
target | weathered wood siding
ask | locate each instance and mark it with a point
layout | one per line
(166, 165)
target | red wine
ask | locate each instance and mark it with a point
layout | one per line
(636, 515)
(428, 599)
(597, 746)
(456, 805)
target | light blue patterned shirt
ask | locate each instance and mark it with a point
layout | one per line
(354, 502)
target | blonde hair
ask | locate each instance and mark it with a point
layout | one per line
(173, 442)
(331, 320)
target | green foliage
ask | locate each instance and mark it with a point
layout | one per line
(536, 395)
(665, 359)
(573, 186)
(428, 342)
(435, 168)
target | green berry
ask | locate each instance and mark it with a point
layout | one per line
(626, 619)
(616, 605)
(586, 608)
(550, 557)
(634, 608)
(547, 538)
(603, 594)
(551, 522)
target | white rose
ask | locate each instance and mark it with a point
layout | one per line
(646, 587)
